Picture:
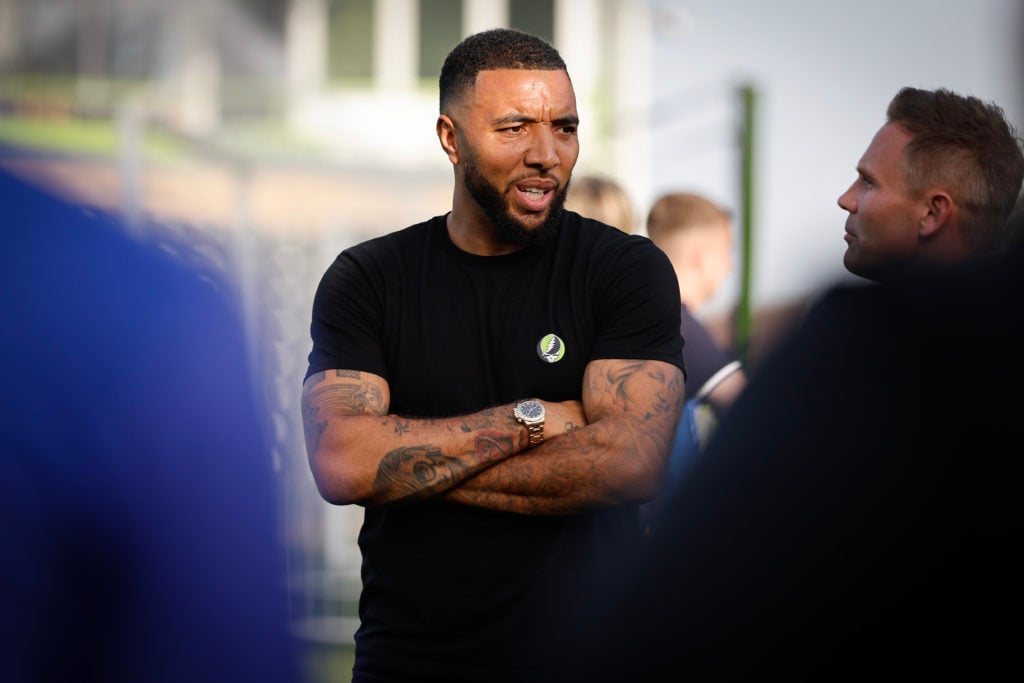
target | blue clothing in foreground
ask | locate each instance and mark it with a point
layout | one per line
(138, 527)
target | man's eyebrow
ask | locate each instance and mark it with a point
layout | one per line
(516, 117)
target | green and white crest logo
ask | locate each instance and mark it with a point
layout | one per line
(551, 348)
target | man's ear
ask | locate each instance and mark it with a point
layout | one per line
(446, 135)
(938, 209)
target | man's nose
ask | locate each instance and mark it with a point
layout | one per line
(847, 202)
(542, 151)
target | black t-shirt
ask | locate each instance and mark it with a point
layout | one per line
(449, 590)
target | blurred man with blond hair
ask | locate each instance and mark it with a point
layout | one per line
(696, 235)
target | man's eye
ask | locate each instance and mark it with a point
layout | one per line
(568, 130)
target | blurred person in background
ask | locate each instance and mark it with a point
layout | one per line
(934, 187)
(497, 386)
(602, 199)
(696, 235)
(138, 515)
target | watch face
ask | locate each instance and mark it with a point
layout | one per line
(531, 410)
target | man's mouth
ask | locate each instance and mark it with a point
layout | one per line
(536, 197)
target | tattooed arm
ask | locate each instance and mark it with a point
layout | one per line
(632, 408)
(359, 453)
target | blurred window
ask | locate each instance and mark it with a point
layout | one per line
(533, 16)
(440, 30)
(350, 53)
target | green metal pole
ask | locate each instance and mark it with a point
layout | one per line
(743, 323)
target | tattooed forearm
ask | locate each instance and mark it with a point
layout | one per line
(417, 471)
(399, 425)
(493, 445)
(421, 471)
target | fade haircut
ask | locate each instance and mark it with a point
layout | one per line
(499, 48)
(967, 147)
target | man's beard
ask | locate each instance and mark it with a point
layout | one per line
(510, 228)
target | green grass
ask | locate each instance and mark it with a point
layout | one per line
(80, 136)
(99, 137)
(72, 115)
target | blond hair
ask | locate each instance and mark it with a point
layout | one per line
(602, 199)
(682, 212)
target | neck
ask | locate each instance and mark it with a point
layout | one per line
(471, 231)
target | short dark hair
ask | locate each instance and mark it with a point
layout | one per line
(498, 48)
(966, 146)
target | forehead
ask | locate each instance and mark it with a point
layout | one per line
(542, 94)
(885, 153)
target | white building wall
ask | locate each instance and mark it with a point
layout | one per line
(480, 15)
(306, 47)
(578, 25)
(396, 41)
(825, 73)
(631, 141)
